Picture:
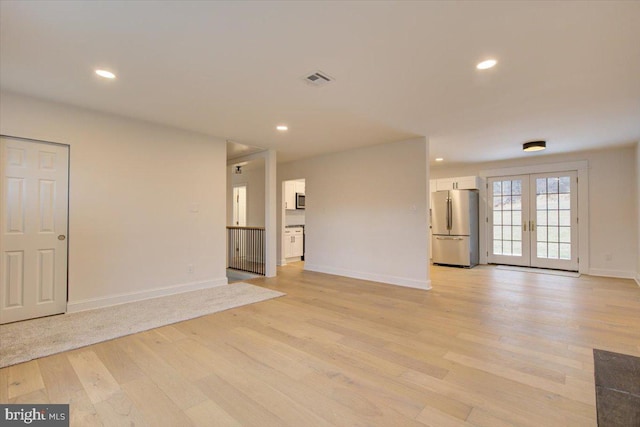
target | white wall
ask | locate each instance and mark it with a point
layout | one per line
(366, 214)
(133, 186)
(253, 177)
(613, 222)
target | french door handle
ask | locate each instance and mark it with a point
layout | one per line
(524, 226)
(532, 225)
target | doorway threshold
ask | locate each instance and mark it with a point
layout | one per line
(239, 276)
(538, 270)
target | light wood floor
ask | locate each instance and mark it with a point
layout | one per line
(483, 348)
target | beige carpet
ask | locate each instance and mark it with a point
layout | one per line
(32, 339)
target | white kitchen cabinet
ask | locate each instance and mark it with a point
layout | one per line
(296, 245)
(287, 243)
(300, 186)
(458, 183)
(290, 195)
(468, 183)
(293, 242)
(445, 184)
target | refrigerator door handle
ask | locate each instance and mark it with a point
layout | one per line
(447, 213)
(449, 238)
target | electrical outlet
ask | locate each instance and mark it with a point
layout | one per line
(190, 268)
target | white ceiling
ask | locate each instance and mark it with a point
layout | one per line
(568, 72)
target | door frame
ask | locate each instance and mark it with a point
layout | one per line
(68, 235)
(582, 169)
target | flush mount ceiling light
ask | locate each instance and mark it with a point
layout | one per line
(489, 63)
(439, 159)
(282, 128)
(106, 74)
(534, 145)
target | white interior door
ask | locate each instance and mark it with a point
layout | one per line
(533, 220)
(33, 217)
(240, 206)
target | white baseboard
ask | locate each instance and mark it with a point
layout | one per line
(392, 280)
(93, 303)
(638, 279)
(620, 274)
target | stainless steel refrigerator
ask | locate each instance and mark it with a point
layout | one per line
(454, 227)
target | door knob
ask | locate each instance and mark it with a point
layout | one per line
(62, 237)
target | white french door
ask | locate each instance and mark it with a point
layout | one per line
(533, 220)
(33, 229)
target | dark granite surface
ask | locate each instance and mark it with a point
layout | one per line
(617, 378)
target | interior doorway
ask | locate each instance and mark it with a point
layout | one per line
(293, 222)
(533, 220)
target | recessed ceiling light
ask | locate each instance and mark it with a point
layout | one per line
(534, 145)
(486, 64)
(106, 74)
(439, 159)
(282, 127)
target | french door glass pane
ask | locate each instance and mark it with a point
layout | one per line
(553, 214)
(517, 247)
(497, 217)
(542, 233)
(506, 232)
(516, 217)
(542, 250)
(516, 187)
(541, 217)
(507, 217)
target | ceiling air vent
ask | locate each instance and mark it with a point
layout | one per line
(318, 78)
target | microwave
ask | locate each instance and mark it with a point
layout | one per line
(300, 201)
